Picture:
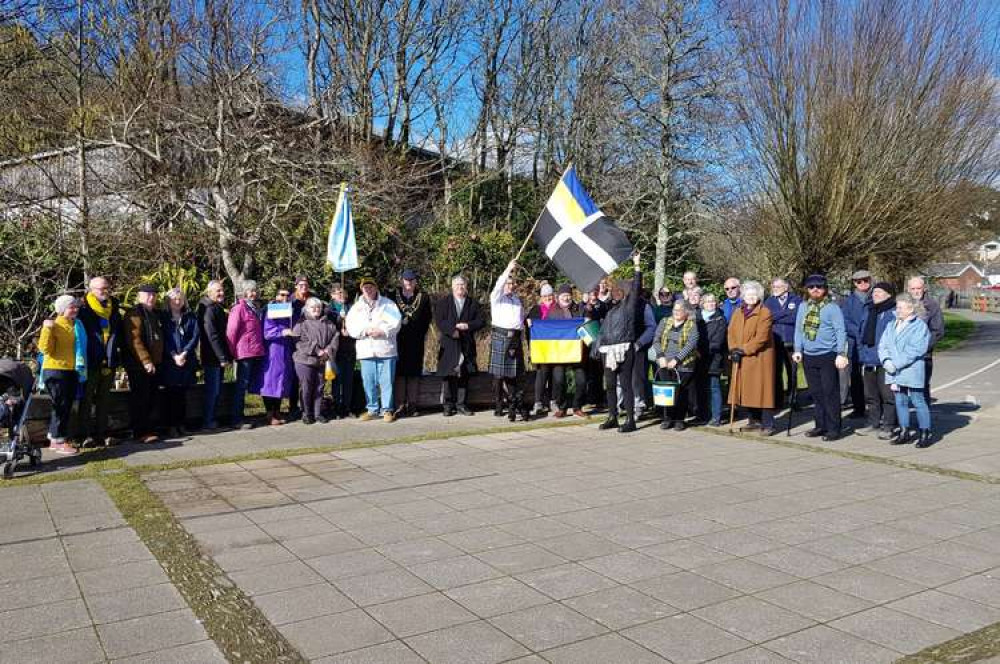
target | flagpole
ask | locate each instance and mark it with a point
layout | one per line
(524, 244)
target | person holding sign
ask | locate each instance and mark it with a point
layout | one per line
(278, 368)
(567, 309)
(374, 321)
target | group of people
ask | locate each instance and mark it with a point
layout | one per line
(290, 348)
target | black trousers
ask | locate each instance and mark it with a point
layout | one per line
(928, 370)
(786, 373)
(272, 404)
(141, 400)
(543, 384)
(509, 390)
(824, 388)
(559, 375)
(879, 398)
(454, 384)
(620, 377)
(701, 407)
(686, 394)
(595, 379)
(61, 386)
(857, 388)
(173, 406)
(310, 389)
(642, 389)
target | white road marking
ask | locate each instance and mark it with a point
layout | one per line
(938, 388)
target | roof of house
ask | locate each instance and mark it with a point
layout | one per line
(945, 270)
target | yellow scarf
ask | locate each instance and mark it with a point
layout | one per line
(103, 311)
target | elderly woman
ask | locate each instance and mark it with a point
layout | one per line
(751, 349)
(616, 344)
(316, 339)
(278, 367)
(712, 357)
(245, 334)
(693, 297)
(901, 351)
(664, 304)
(675, 344)
(880, 401)
(180, 339)
(58, 343)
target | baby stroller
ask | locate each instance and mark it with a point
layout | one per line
(17, 384)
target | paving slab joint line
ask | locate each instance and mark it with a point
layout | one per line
(231, 619)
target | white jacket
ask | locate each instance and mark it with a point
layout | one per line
(383, 314)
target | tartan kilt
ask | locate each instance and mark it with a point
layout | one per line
(502, 365)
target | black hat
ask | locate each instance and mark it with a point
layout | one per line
(815, 280)
(367, 279)
(886, 286)
(409, 275)
(565, 288)
(148, 288)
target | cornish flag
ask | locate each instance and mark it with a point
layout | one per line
(584, 244)
(341, 248)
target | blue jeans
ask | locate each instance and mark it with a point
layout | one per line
(915, 396)
(377, 375)
(213, 386)
(715, 396)
(246, 369)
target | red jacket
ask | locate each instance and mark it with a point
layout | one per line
(245, 332)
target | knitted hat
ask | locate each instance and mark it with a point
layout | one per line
(565, 289)
(546, 290)
(885, 286)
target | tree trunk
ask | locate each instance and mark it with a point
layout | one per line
(83, 222)
(662, 238)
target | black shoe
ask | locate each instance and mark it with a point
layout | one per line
(902, 437)
(322, 420)
(767, 431)
(751, 426)
(628, 427)
(610, 423)
(667, 425)
(307, 420)
(926, 439)
(524, 414)
(462, 410)
(512, 413)
(832, 436)
(449, 411)
(815, 432)
(498, 410)
(679, 425)
(856, 415)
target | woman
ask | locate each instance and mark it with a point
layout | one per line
(712, 354)
(245, 334)
(315, 342)
(179, 363)
(693, 297)
(676, 346)
(278, 367)
(543, 372)
(752, 353)
(664, 304)
(58, 343)
(342, 386)
(901, 352)
(880, 401)
(616, 345)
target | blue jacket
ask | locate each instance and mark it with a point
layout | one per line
(729, 306)
(648, 328)
(906, 349)
(783, 316)
(868, 355)
(178, 339)
(854, 307)
(831, 336)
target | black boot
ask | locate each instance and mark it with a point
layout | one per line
(512, 410)
(924, 439)
(610, 423)
(628, 427)
(498, 409)
(902, 437)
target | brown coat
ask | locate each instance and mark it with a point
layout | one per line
(754, 386)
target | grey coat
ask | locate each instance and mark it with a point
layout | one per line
(313, 336)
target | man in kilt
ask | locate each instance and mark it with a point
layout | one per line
(506, 347)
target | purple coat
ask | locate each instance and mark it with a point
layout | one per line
(245, 332)
(278, 366)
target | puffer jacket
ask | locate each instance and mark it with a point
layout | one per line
(245, 331)
(619, 324)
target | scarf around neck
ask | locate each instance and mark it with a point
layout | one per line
(810, 326)
(868, 334)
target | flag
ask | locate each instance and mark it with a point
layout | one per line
(277, 310)
(556, 341)
(341, 248)
(584, 244)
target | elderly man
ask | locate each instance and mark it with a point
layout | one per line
(784, 306)
(374, 322)
(215, 353)
(100, 315)
(458, 317)
(855, 308)
(734, 299)
(821, 342)
(144, 332)
(690, 280)
(415, 307)
(932, 315)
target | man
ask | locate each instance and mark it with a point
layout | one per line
(342, 387)
(935, 323)
(645, 328)
(457, 317)
(733, 299)
(215, 355)
(690, 280)
(415, 307)
(821, 342)
(855, 308)
(144, 332)
(374, 322)
(506, 346)
(101, 317)
(784, 306)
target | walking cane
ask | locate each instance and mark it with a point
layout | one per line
(732, 390)
(794, 397)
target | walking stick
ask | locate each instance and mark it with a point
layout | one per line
(793, 397)
(732, 390)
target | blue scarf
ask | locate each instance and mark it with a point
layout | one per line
(80, 350)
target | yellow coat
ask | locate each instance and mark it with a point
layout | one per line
(58, 343)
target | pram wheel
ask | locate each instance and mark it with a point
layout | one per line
(8, 469)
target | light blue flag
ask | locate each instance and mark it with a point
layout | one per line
(341, 248)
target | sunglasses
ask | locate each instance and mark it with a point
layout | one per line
(861, 281)
(729, 288)
(815, 287)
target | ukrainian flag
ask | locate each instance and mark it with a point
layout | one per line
(556, 341)
(583, 243)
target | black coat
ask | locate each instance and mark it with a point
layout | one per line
(412, 334)
(212, 327)
(619, 324)
(712, 342)
(464, 345)
(99, 354)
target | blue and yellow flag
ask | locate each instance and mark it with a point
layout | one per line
(341, 247)
(583, 243)
(556, 341)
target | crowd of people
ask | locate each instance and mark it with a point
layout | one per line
(872, 349)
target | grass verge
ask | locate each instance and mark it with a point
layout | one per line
(957, 329)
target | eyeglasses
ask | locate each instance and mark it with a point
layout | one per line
(815, 287)
(729, 288)
(862, 281)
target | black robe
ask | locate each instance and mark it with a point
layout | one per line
(412, 332)
(445, 317)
